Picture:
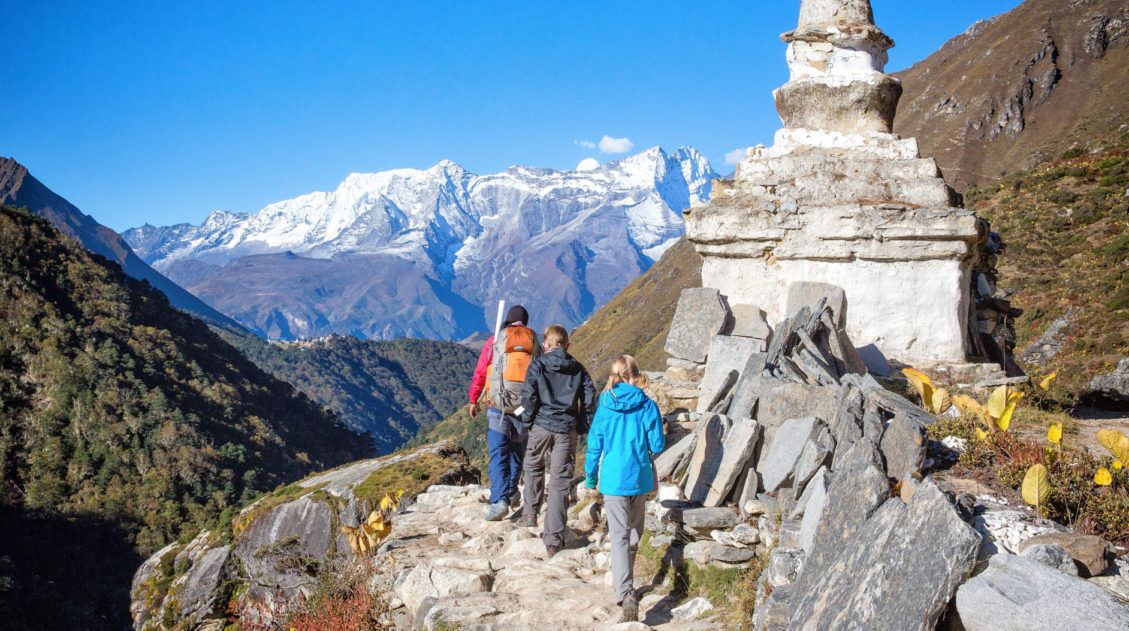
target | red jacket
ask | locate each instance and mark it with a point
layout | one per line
(478, 382)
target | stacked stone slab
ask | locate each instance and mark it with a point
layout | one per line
(799, 453)
(840, 199)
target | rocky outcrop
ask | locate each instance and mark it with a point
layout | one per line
(1016, 593)
(1112, 386)
(279, 543)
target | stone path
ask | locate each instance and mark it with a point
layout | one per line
(450, 569)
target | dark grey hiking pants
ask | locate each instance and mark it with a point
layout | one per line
(558, 451)
(625, 529)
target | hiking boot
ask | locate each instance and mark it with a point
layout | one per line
(515, 501)
(497, 511)
(528, 521)
(630, 609)
(551, 551)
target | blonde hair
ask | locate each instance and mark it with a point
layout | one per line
(555, 336)
(626, 370)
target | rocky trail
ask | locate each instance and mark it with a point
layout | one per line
(445, 565)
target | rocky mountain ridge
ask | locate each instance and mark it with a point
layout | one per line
(1020, 88)
(426, 253)
(21, 189)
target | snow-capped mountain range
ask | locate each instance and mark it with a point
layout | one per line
(428, 253)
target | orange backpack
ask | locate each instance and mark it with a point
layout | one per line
(515, 347)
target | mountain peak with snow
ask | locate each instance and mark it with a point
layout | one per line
(566, 241)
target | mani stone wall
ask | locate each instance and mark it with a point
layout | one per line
(840, 199)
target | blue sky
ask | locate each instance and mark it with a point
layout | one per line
(161, 112)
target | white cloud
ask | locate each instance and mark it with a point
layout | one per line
(588, 164)
(737, 155)
(587, 144)
(615, 145)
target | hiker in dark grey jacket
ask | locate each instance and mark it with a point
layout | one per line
(559, 400)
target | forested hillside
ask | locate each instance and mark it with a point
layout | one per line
(390, 389)
(124, 423)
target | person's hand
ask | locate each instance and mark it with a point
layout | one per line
(472, 407)
(589, 494)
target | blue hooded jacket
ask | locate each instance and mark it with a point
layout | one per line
(626, 430)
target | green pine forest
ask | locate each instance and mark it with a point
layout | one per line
(125, 424)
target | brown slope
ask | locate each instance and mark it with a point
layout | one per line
(1021, 88)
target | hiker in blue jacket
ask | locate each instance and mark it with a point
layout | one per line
(626, 431)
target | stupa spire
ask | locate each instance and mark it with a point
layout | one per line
(836, 57)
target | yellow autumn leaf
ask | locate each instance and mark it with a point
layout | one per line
(1054, 433)
(387, 503)
(1036, 485)
(941, 401)
(1117, 465)
(968, 405)
(1103, 477)
(981, 434)
(1004, 421)
(1045, 384)
(920, 382)
(997, 402)
(1116, 442)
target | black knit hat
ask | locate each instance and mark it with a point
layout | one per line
(517, 313)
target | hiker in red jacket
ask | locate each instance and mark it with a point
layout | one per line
(498, 381)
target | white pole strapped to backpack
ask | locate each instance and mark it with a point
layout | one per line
(498, 322)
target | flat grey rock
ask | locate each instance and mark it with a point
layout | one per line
(1020, 594)
(668, 460)
(701, 314)
(737, 447)
(816, 452)
(750, 321)
(727, 354)
(750, 384)
(858, 487)
(782, 453)
(709, 518)
(1053, 556)
(899, 570)
(708, 451)
(807, 294)
(903, 447)
(815, 503)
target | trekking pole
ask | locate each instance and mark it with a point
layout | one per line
(498, 321)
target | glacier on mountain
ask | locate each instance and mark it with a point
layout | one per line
(424, 253)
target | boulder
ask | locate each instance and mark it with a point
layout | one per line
(708, 451)
(709, 518)
(731, 554)
(1091, 553)
(750, 321)
(428, 580)
(701, 313)
(903, 446)
(899, 570)
(784, 451)
(1020, 594)
(785, 401)
(1054, 556)
(728, 354)
(739, 443)
(784, 567)
(691, 609)
(772, 613)
(1113, 386)
(668, 460)
(742, 536)
(846, 423)
(198, 591)
(858, 487)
